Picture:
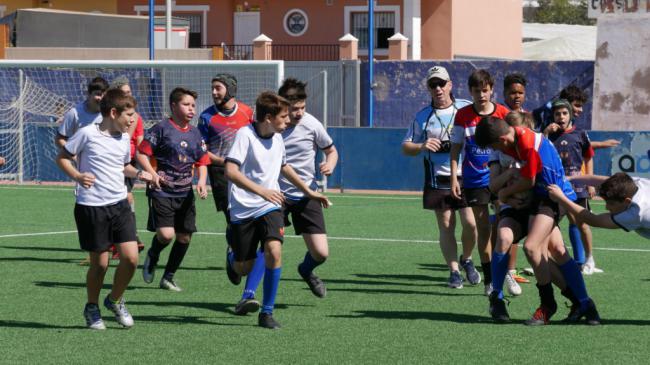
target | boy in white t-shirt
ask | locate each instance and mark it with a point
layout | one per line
(253, 166)
(102, 213)
(626, 198)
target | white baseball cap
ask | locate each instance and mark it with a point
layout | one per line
(438, 72)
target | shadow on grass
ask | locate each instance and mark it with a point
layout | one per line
(431, 316)
(216, 307)
(42, 259)
(434, 267)
(398, 277)
(369, 282)
(38, 248)
(23, 324)
(206, 268)
(183, 320)
(398, 291)
(108, 285)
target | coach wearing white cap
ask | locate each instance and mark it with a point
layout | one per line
(428, 135)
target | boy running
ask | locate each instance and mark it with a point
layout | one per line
(176, 149)
(85, 113)
(102, 213)
(475, 171)
(253, 167)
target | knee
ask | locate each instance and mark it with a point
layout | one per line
(130, 262)
(530, 250)
(164, 237)
(320, 255)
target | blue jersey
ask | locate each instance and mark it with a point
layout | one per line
(540, 162)
(574, 148)
(174, 151)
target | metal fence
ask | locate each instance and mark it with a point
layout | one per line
(286, 52)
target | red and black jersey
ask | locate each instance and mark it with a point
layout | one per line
(219, 129)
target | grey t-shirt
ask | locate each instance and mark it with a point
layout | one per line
(637, 216)
(301, 142)
(76, 118)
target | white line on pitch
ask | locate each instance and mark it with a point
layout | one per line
(35, 234)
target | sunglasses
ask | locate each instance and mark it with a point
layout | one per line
(437, 83)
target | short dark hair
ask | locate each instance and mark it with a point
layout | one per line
(269, 103)
(574, 93)
(488, 131)
(293, 90)
(116, 99)
(97, 84)
(177, 94)
(480, 78)
(618, 187)
(513, 78)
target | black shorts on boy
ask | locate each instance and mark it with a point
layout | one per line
(103, 226)
(179, 213)
(219, 185)
(247, 234)
(306, 216)
(477, 196)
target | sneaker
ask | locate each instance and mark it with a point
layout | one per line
(590, 268)
(588, 311)
(122, 315)
(149, 268)
(542, 316)
(315, 284)
(512, 286)
(487, 289)
(266, 320)
(233, 276)
(246, 306)
(455, 280)
(520, 279)
(93, 317)
(472, 275)
(498, 309)
(169, 285)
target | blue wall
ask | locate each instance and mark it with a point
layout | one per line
(401, 90)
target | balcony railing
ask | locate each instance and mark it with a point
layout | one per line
(286, 52)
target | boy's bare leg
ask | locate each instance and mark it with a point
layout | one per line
(125, 269)
(469, 233)
(95, 275)
(447, 226)
(317, 245)
(536, 246)
(483, 229)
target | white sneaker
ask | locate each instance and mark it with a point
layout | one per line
(487, 289)
(122, 315)
(590, 268)
(169, 285)
(512, 285)
(93, 317)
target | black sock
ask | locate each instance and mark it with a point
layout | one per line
(487, 272)
(156, 247)
(175, 258)
(546, 296)
(567, 293)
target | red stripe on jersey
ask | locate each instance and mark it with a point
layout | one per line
(203, 161)
(145, 148)
(525, 152)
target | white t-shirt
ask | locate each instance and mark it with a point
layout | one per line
(301, 143)
(637, 216)
(260, 160)
(76, 118)
(104, 156)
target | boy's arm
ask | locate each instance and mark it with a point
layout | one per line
(589, 169)
(331, 158)
(233, 174)
(132, 172)
(605, 144)
(590, 180)
(201, 187)
(143, 160)
(454, 153)
(65, 163)
(499, 177)
(293, 177)
(603, 220)
(522, 184)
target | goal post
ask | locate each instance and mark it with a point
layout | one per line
(35, 94)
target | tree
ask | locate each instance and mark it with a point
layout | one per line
(563, 12)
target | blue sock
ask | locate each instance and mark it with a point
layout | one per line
(254, 277)
(575, 281)
(492, 218)
(576, 244)
(499, 271)
(271, 282)
(308, 264)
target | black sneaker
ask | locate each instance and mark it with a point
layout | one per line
(149, 268)
(266, 320)
(589, 312)
(315, 284)
(246, 306)
(471, 273)
(498, 309)
(234, 278)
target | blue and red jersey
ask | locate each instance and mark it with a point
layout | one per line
(174, 152)
(219, 129)
(540, 162)
(574, 148)
(476, 173)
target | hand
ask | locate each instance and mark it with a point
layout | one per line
(610, 143)
(552, 128)
(503, 198)
(325, 169)
(455, 189)
(145, 176)
(431, 144)
(592, 192)
(322, 199)
(555, 193)
(202, 190)
(86, 179)
(155, 181)
(273, 196)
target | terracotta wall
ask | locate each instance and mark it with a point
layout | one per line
(104, 6)
(436, 29)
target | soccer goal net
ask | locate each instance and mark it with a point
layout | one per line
(34, 95)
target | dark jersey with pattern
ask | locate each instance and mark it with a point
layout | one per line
(574, 147)
(174, 152)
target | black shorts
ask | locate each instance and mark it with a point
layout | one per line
(477, 196)
(306, 215)
(246, 235)
(521, 217)
(219, 185)
(441, 199)
(179, 213)
(101, 227)
(546, 206)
